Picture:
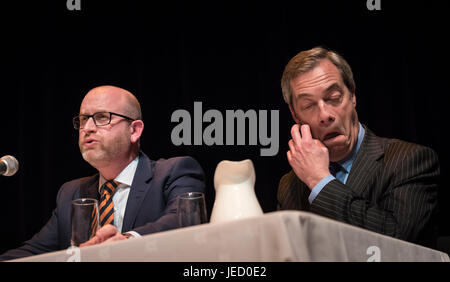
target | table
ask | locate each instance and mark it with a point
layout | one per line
(273, 237)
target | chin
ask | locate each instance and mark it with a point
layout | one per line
(338, 154)
(92, 158)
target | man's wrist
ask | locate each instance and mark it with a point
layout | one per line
(127, 235)
(131, 234)
(316, 189)
(314, 181)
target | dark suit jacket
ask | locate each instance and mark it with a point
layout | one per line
(391, 189)
(151, 205)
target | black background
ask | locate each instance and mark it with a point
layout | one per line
(226, 54)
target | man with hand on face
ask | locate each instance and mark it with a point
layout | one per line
(137, 196)
(342, 170)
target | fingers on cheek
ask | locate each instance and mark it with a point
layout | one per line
(295, 146)
(305, 131)
(291, 145)
(294, 129)
(320, 144)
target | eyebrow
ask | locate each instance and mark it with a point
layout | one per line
(302, 95)
(334, 87)
(86, 113)
(329, 89)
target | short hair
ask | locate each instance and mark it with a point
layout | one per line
(306, 61)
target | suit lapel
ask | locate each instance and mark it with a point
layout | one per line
(90, 188)
(138, 190)
(366, 162)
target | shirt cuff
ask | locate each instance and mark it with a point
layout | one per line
(134, 234)
(316, 189)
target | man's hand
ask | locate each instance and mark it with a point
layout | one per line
(107, 233)
(308, 157)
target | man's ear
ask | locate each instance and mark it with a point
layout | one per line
(294, 116)
(137, 127)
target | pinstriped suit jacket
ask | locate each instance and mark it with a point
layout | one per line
(391, 189)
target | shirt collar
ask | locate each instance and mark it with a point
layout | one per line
(125, 177)
(348, 161)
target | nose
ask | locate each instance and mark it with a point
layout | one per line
(325, 117)
(89, 125)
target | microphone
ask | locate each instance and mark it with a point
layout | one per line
(8, 165)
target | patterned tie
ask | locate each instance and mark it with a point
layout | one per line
(94, 222)
(106, 206)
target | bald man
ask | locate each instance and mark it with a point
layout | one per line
(143, 200)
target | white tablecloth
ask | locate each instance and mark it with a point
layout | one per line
(275, 236)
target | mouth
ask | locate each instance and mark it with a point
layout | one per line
(90, 142)
(330, 135)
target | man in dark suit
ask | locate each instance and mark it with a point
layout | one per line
(145, 191)
(340, 169)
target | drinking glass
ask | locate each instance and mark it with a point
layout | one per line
(84, 220)
(191, 209)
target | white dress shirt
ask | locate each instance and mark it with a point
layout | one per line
(120, 195)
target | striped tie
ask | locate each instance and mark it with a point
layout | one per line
(106, 206)
(94, 222)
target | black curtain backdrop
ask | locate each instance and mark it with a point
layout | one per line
(228, 55)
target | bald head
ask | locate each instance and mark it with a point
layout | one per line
(112, 99)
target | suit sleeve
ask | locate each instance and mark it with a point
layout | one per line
(405, 204)
(184, 175)
(46, 240)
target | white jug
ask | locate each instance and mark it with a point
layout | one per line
(235, 195)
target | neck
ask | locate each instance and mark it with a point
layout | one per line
(114, 168)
